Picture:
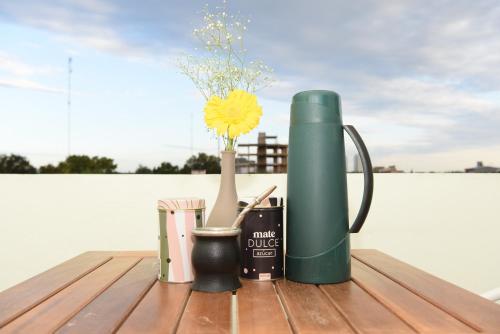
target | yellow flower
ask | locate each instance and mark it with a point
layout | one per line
(237, 114)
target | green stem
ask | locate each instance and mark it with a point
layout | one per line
(230, 143)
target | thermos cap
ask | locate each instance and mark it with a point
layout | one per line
(316, 106)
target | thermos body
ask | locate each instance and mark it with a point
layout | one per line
(318, 248)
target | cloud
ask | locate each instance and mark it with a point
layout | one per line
(451, 40)
(30, 85)
(455, 40)
(419, 73)
(427, 76)
(20, 74)
(96, 6)
(79, 22)
(15, 66)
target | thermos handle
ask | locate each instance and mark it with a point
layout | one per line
(368, 177)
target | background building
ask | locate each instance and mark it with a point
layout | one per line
(357, 167)
(262, 157)
(480, 168)
(389, 169)
(245, 166)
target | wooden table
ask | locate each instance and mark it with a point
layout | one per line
(103, 292)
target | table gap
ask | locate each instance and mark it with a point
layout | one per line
(355, 330)
(71, 315)
(133, 307)
(289, 318)
(56, 291)
(374, 297)
(234, 318)
(281, 303)
(62, 324)
(424, 297)
(283, 308)
(138, 300)
(183, 310)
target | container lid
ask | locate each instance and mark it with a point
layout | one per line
(268, 202)
(181, 204)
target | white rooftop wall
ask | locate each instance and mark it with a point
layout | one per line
(446, 224)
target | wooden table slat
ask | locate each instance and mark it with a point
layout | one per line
(471, 308)
(137, 253)
(206, 313)
(417, 312)
(55, 311)
(259, 309)
(364, 313)
(159, 311)
(106, 312)
(105, 292)
(26, 295)
(309, 309)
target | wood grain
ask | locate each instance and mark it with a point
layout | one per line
(139, 253)
(472, 309)
(26, 295)
(52, 313)
(259, 309)
(159, 311)
(105, 313)
(364, 313)
(420, 314)
(206, 313)
(309, 310)
(101, 292)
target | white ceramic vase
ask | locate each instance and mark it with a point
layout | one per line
(225, 209)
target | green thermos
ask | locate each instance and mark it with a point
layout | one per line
(318, 248)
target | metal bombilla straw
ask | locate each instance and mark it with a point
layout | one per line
(250, 206)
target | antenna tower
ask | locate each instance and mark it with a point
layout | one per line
(70, 70)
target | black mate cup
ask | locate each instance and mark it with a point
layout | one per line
(216, 259)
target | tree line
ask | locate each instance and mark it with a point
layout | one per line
(83, 164)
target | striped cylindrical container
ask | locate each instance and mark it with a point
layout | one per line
(178, 217)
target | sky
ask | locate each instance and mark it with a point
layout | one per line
(420, 82)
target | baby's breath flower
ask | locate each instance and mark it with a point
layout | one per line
(224, 67)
